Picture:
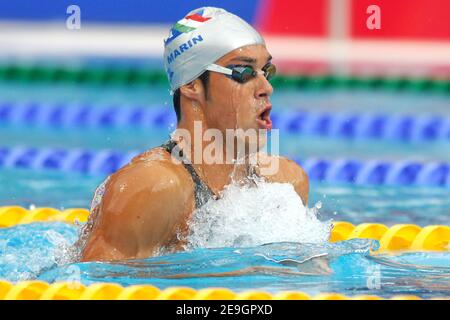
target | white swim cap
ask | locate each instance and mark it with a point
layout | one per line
(200, 39)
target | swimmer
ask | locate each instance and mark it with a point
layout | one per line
(219, 69)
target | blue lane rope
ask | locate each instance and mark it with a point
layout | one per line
(374, 172)
(347, 125)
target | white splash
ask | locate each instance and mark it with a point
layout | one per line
(254, 215)
(64, 251)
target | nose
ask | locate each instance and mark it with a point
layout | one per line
(264, 88)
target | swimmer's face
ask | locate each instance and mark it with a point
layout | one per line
(234, 105)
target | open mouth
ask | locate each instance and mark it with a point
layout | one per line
(263, 120)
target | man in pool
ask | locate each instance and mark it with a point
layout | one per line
(219, 69)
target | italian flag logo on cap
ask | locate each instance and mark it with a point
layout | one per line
(187, 24)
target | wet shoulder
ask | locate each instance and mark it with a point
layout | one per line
(292, 167)
(151, 171)
(289, 170)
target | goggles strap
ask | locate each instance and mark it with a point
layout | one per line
(216, 68)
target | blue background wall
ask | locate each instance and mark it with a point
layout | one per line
(114, 11)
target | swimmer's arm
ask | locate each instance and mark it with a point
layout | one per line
(141, 211)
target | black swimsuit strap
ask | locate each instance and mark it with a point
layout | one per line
(202, 192)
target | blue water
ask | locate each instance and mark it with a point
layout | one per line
(39, 251)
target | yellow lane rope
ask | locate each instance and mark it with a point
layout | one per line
(38, 290)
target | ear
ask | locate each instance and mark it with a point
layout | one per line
(194, 90)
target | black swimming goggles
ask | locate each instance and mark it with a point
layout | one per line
(242, 74)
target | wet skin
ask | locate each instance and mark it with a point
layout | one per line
(147, 203)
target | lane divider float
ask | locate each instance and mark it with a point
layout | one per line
(138, 76)
(340, 170)
(38, 290)
(346, 125)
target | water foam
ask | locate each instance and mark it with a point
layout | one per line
(254, 215)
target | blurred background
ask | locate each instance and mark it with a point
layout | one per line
(362, 100)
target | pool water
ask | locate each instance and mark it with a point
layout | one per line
(40, 250)
(43, 250)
